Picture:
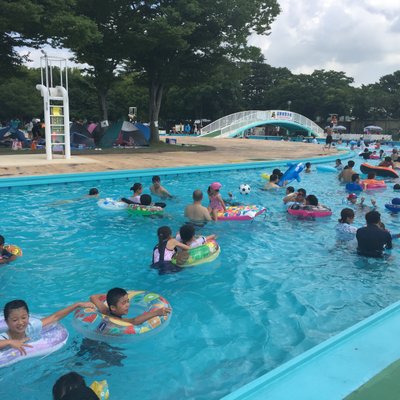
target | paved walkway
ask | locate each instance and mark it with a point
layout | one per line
(222, 151)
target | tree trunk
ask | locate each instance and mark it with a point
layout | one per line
(156, 91)
(103, 104)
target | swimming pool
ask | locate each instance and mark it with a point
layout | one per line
(279, 287)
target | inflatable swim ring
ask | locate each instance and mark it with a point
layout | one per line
(205, 253)
(53, 337)
(97, 326)
(14, 250)
(326, 168)
(393, 207)
(374, 157)
(373, 184)
(138, 209)
(379, 171)
(101, 389)
(308, 211)
(240, 213)
(112, 205)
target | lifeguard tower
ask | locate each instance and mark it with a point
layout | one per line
(54, 90)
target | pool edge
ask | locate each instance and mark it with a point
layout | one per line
(336, 367)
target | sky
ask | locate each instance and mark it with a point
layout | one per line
(358, 37)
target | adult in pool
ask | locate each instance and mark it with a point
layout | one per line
(21, 328)
(196, 212)
(159, 190)
(118, 306)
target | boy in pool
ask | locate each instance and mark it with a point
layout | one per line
(308, 168)
(273, 183)
(159, 190)
(21, 329)
(118, 306)
(187, 236)
(5, 255)
(352, 199)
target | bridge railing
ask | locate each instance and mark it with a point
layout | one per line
(230, 124)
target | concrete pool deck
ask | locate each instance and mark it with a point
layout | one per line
(222, 151)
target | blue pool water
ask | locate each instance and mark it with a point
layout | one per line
(279, 287)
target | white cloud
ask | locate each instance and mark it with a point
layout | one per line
(359, 37)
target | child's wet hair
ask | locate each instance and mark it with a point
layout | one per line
(114, 295)
(14, 305)
(163, 233)
(145, 199)
(93, 191)
(136, 186)
(66, 383)
(312, 200)
(345, 214)
(187, 232)
(290, 189)
(155, 179)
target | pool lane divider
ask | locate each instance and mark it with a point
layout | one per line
(34, 180)
(334, 368)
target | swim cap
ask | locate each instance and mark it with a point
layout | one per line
(396, 201)
(215, 186)
(351, 196)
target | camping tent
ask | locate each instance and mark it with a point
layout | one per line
(80, 136)
(11, 133)
(125, 133)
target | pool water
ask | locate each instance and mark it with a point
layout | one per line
(280, 286)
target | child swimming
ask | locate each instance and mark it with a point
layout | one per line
(21, 328)
(216, 202)
(165, 250)
(5, 256)
(159, 190)
(118, 306)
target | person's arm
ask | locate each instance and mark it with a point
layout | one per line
(165, 193)
(146, 316)
(207, 215)
(64, 312)
(211, 237)
(221, 201)
(182, 246)
(15, 344)
(99, 304)
(389, 241)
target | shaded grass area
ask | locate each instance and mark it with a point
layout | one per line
(154, 148)
(384, 386)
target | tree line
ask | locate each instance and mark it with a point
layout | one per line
(175, 61)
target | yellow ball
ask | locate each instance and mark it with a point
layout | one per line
(265, 176)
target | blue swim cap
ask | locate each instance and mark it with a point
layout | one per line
(396, 201)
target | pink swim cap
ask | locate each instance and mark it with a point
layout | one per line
(215, 186)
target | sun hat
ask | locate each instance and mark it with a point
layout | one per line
(215, 186)
(351, 196)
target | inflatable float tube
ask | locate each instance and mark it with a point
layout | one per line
(101, 389)
(379, 171)
(14, 249)
(373, 184)
(326, 168)
(205, 253)
(240, 213)
(308, 211)
(53, 337)
(112, 205)
(374, 157)
(138, 209)
(97, 326)
(292, 173)
(393, 207)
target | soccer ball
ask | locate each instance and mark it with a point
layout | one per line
(244, 188)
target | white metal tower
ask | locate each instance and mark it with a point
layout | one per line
(54, 90)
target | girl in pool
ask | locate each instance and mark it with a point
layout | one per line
(21, 328)
(216, 202)
(346, 232)
(165, 250)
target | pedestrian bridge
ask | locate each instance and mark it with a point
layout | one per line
(235, 124)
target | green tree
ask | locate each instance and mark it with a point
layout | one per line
(168, 39)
